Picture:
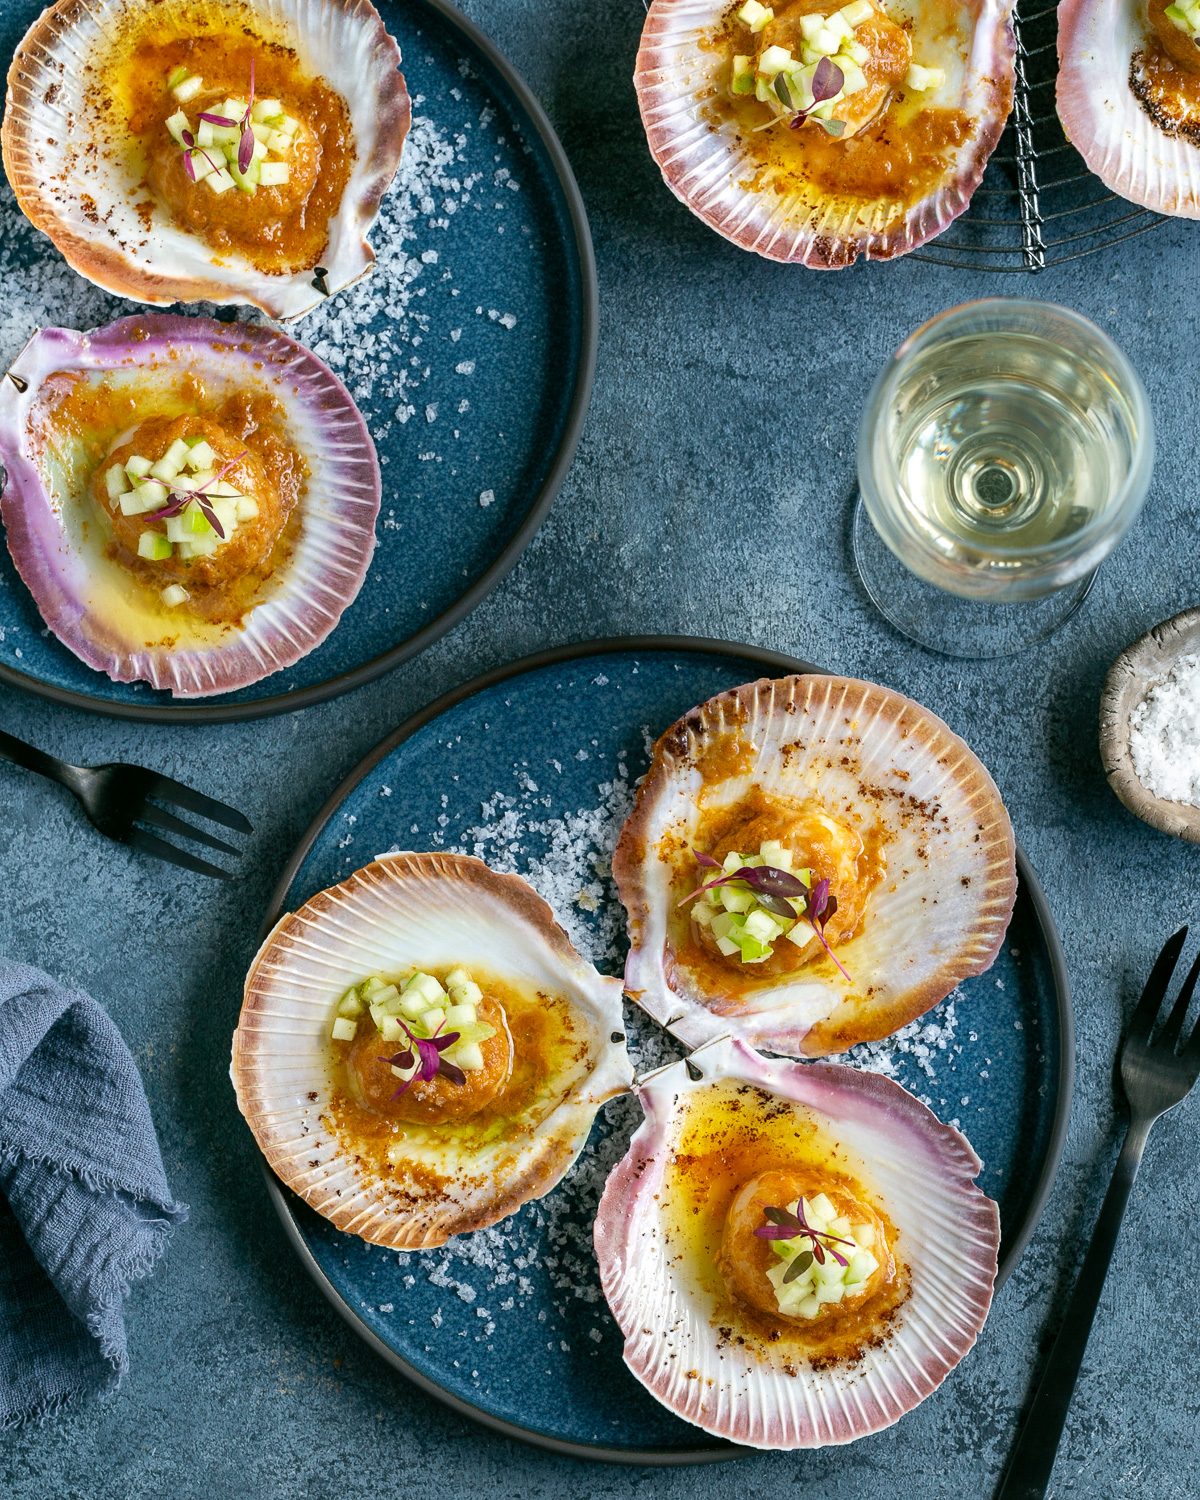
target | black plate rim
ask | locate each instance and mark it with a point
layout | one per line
(583, 380)
(777, 663)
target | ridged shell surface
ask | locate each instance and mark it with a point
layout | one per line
(68, 161)
(401, 912)
(884, 766)
(84, 596)
(947, 1241)
(1137, 142)
(709, 166)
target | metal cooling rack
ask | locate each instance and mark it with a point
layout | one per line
(1037, 205)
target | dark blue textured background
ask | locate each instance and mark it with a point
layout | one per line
(709, 496)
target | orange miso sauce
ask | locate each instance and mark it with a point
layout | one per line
(550, 1055)
(281, 229)
(894, 161)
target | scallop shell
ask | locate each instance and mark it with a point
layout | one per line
(1134, 153)
(948, 1238)
(708, 166)
(71, 181)
(404, 911)
(876, 757)
(62, 562)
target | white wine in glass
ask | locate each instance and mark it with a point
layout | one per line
(1004, 451)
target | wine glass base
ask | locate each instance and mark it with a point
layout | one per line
(975, 629)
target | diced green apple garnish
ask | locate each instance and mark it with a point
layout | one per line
(743, 75)
(177, 124)
(1186, 16)
(773, 60)
(426, 1007)
(922, 80)
(755, 15)
(187, 88)
(154, 546)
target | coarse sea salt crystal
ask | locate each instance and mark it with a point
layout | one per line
(1164, 734)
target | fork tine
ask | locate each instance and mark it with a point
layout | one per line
(207, 807)
(171, 824)
(1173, 1025)
(1190, 1051)
(150, 843)
(1142, 1022)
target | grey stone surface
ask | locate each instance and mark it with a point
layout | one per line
(709, 496)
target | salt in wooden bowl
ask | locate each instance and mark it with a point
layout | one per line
(1129, 679)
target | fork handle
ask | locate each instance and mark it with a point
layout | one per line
(1030, 1464)
(33, 759)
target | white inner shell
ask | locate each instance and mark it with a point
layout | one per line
(438, 924)
(330, 43)
(916, 917)
(674, 1321)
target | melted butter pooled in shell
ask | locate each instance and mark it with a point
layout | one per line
(738, 1150)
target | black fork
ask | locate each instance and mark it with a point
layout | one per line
(118, 799)
(1157, 1071)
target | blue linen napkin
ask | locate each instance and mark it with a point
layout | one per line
(85, 1208)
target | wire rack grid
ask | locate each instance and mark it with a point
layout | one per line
(1038, 205)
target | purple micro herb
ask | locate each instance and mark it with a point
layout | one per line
(218, 120)
(246, 144)
(828, 80)
(784, 1224)
(426, 1053)
(178, 501)
(821, 906)
(189, 142)
(772, 886)
(776, 891)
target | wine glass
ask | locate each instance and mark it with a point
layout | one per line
(1004, 451)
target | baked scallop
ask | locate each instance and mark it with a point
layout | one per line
(220, 150)
(191, 503)
(818, 133)
(810, 862)
(421, 1050)
(1129, 97)
(796, 1253)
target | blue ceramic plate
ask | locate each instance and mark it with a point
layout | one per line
(469, 349)
(532, 768)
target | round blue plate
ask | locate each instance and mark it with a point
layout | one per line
(532, 768)
(469, 349)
